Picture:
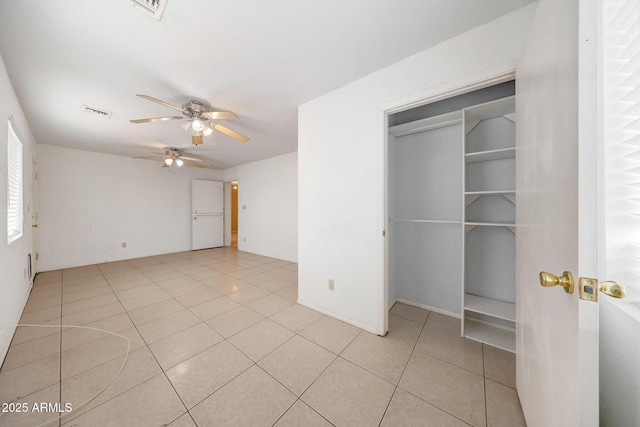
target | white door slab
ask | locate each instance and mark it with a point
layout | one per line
(207, 214)
(557, 206)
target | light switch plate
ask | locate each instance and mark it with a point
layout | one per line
(588, 289)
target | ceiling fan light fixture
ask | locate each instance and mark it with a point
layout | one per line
(179, 162)
(197, 125)
(168, 161)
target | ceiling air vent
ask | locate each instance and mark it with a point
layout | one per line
(154, 8)
(101, 113)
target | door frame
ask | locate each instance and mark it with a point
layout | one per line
(228, 211)
(490, 77)
(34, 219)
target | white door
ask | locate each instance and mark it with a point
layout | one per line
(207, 196)
(207, 214)
(557, 205)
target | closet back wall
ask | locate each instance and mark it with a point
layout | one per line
(90, 203)
(425, 228)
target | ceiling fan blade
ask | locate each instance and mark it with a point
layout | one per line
(196, 139)
(230, 132)
(221, 115)
(156, 119)
(193, 159)
(147, 157)
(166, 104)
(192, 163)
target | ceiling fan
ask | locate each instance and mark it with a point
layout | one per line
(197, 119)
(173, 158)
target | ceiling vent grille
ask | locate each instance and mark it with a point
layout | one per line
(101, 113)
(154, 8)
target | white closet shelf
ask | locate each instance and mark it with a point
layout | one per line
(433, 221)
(490, 307)
(496, 336)
(430, 123)
(485, 156)
(489, 193)
(490, 224)
(468, 226)
(472, 196)
(491, 109)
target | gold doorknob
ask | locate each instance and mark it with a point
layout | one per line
(35, 225)
(566, 281)
(613, 289)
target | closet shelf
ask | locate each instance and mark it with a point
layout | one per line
(430, 123)
(472, 196)
(489, 224)
(488, 110)
(431, 221)
(485, 156)
(496, 336)
(490, 307)
(489, 193)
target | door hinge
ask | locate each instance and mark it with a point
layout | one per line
(383, 233)
(37, 255)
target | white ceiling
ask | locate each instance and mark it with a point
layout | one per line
(260, 59)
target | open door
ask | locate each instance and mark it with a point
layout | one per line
(207, 213)
(557, 210)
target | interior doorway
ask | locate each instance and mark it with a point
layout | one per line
(231, 223)
(234, 213)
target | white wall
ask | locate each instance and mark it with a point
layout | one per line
(341, 165)
(90, 203)
(14, 285)
(269, 190)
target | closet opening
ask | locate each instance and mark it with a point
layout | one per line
(231, 213)
(450, 186)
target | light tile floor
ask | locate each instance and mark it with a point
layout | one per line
(216, 338)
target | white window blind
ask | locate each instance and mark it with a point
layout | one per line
(14, 186)
(621, 124)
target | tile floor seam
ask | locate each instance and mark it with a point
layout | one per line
(448, 361)
(163, 371)
(435, 406)
(484, 388)
(60, 346)
(405, 366)
(285, 386)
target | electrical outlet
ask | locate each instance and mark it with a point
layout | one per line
(332, 285)
(124, 244)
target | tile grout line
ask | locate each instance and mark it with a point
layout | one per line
(148, 348)
(395, 390)
(188, 411)
(484, 388)
(430, 355)
(60, 344)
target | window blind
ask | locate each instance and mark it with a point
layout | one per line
(14, 186)
(621, 133)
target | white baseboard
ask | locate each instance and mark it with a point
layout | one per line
(428, 307)
(335, 316)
